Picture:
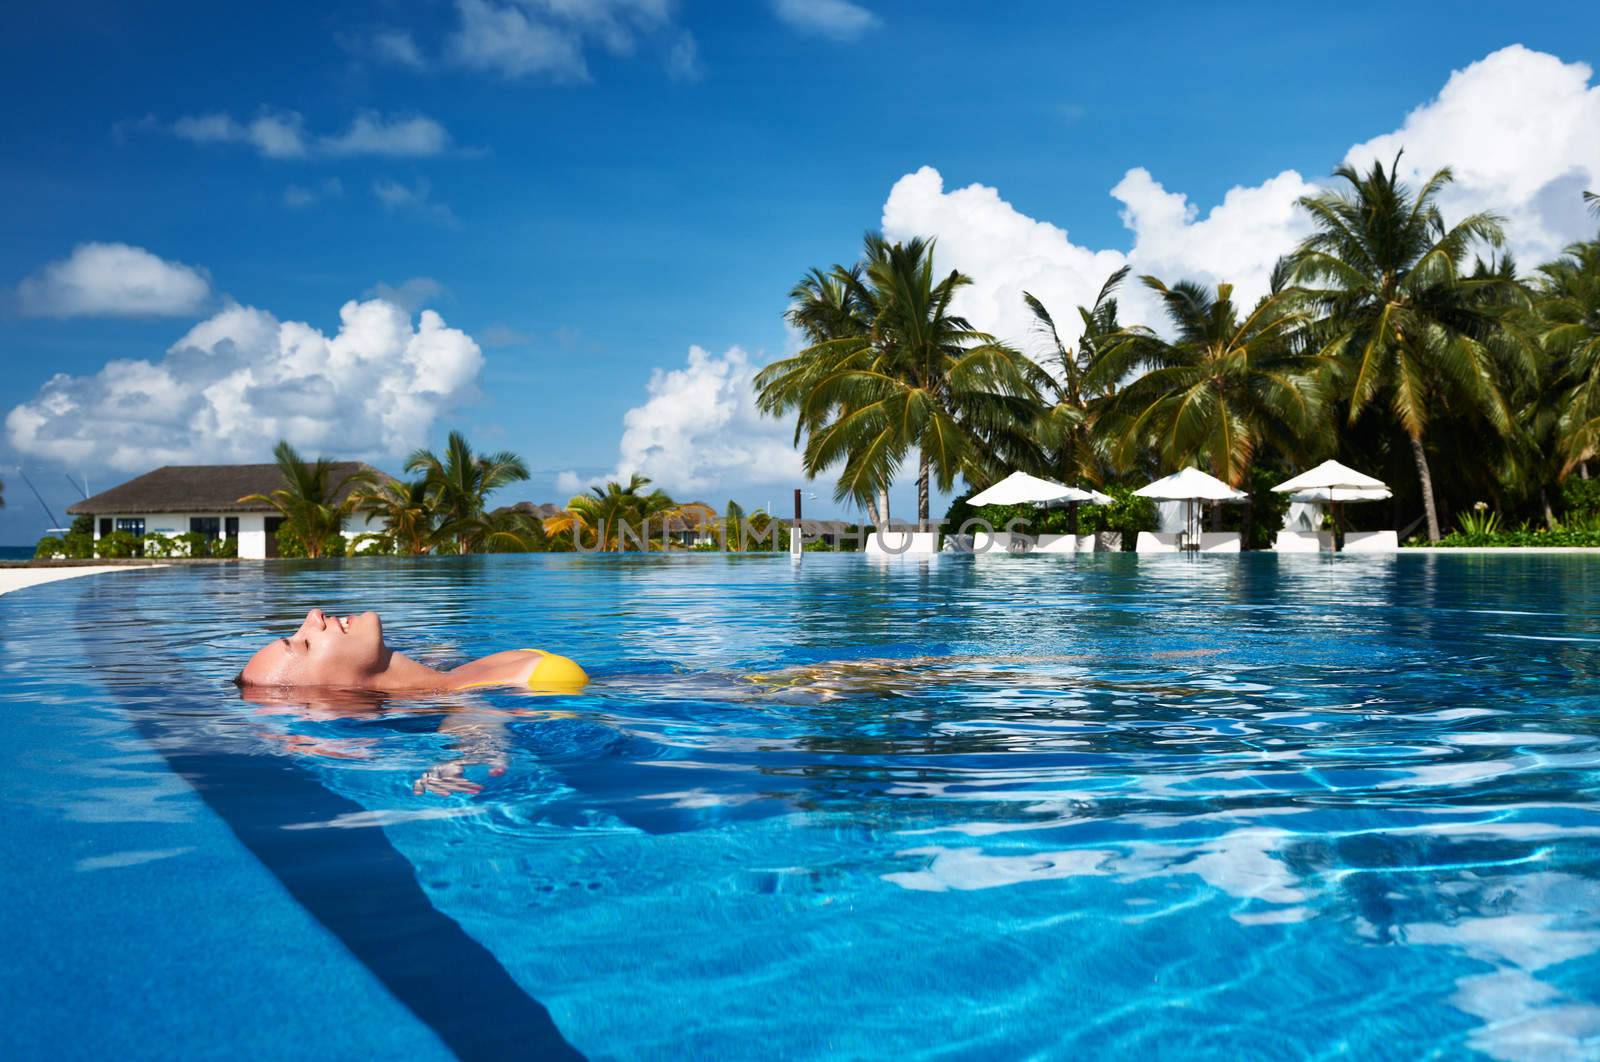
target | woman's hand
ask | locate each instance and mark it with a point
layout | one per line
(448, 779)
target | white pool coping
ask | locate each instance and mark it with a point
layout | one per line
(21, 578)
(1427, 550)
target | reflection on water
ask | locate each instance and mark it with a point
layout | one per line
(1200, 806)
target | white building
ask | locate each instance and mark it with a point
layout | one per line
(204, 498)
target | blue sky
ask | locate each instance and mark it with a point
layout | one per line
(587, 190)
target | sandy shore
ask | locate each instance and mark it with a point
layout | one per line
(22, 578)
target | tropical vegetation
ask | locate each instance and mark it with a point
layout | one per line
(892, 374)
(1398, 340)
(445, 508)
(617, 516)
(455, 487)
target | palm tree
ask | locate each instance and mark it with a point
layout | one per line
(906, 375)
(406, 511)
(1594, 202)
(833, 310)
(1403, 322)
(312, 502)
(1070, 380)
(505, 530)
(1222, 388)
(609, 512)
(459, 485)
(1567, 307)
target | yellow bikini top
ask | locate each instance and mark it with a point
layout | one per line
(556, 674)
(551, 673)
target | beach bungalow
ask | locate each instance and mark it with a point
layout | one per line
(204, 498)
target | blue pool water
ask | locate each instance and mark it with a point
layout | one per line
(1212, 807)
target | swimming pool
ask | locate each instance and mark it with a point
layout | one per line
(1198, 807)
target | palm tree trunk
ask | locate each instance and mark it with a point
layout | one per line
(1425, 480)
(922, 491)
(883, 508)
(1549, 516)
(873, 513)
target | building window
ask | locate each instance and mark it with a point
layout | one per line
(231, 526)
(105, 526)
(210, 526)
(133, 525)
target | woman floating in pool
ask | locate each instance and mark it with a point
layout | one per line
(348, 652)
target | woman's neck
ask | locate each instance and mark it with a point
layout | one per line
(401, 674)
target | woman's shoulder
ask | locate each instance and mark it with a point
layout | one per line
(510, 668)
(533, 668)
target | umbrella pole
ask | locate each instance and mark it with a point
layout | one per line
(1338, 535)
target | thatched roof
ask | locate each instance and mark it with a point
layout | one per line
(543, 511)
(200, 489)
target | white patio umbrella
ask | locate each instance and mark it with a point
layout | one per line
(1334, 478)
(1189, 486)
(1019, 488)
(1334, 483)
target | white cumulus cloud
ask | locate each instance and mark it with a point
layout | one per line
(113, 280)
(1521, 129)
(396, 136)
(398, 47)
(275, 134)
(839, 19)
(699, 429)
(242, 379)
(416, 197)
(550, 38)
(282, 135)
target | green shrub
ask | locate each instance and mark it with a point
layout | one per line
(1580, 497)
(1128, 514)
(196, 544)
(78, 543)
(290, 544)
(118, 544)
(372, 544)
(1581, 522)
(48, 548)
(1523, 535)
(1480, 523)
(161, 547)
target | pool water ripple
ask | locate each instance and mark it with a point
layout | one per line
(1211, 807)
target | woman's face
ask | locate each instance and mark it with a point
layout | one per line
(325, 651)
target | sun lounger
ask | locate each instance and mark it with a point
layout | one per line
(903, 543)
(1001, 542)
(1056, 544)
(1371, 542)
(1302, 542)
(1220, 542)
(1157, 542)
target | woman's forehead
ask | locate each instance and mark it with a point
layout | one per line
(269, 661)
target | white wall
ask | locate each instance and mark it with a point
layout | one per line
(361, 524)
(178, 524)
(252, 527)
(252, 536)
